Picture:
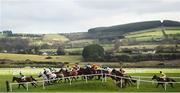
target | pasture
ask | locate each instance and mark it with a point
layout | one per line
(54, 37)
(92, 85)
(39, 58)
(152, 34)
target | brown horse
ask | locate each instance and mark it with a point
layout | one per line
(72, 73)
(22, 82)
(162, 81)
(59, 75)
(125, 79)
(86, 71)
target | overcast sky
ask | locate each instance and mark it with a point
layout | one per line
(64, 16)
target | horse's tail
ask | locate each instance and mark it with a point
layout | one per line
(33, 78)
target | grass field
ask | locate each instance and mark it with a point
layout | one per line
(39, 58)
(55, 37)
(92, 85)
(148, 35)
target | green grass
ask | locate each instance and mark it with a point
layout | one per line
(95, 85)
(55, 37)
(148, 35)
(92, 85)
(39, 58)
(172, 31)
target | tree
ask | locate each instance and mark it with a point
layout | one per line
(60, 50)
(93, 52)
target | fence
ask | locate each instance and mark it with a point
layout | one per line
(10, 85)
(137, 78)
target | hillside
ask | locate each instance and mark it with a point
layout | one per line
(54, 37)
(120, 30)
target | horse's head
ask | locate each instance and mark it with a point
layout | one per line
(154, 77)
(14, 78)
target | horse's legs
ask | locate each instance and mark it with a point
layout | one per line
(162, 84)
(157, 85)
(19, 85)
(23, 86)
(171, 85)
(75, 78)
(126, 81)
(32, 84)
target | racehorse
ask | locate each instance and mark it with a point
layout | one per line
(45, 78)
(49, 78)
(73, 74)
(27, 79)
(101, 73)
(162, 81)
(125, 79)
(59, 75)
(86, 71)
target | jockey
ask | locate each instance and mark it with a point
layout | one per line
(162, 75)
(106, 68)
(68, 68)
(77, 66)
(88, 66)
(23, 78)
(94, 66)
(122, 71)
(47, 72)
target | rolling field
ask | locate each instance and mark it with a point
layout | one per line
(55, 37)
(39, 58)
(92, 85)
(148, 35)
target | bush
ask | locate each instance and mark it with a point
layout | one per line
(142, 57)
(93, 52)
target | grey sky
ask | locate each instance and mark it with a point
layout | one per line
(63, 16)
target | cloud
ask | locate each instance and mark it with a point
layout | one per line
(61, 16)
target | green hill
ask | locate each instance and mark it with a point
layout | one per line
(120, 30)
(54, 37)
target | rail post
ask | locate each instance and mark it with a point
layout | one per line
(138, 83)
(86, 78)
(43, 84)
(27, 88)
(165, 86)
(7, 86)
(121, 82)
(102, 76)
(10, 87)
(105, 79)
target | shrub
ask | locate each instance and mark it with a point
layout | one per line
(93, 52)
